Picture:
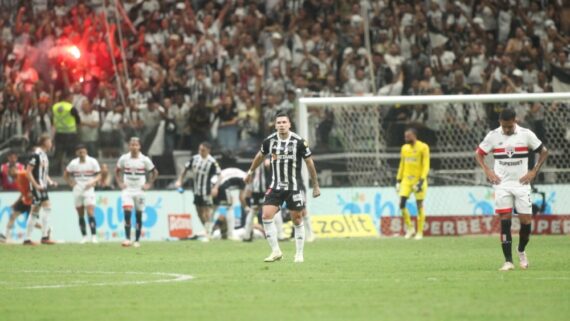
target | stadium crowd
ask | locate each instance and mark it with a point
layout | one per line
(176, 73)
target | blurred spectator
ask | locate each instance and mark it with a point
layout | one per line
(106, 181)
(7, 171)
(66, 122)
(200, 123)
(89, 128)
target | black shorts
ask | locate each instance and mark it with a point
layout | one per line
(295, 199)
(39, 196)
(224, 196)
(19, 206)
(200, 200)
(257, 199)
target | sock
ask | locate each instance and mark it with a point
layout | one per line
(45, 221)
(92, 225)
(299, 238)
(9, 230)
(230, 221)
(32, 220)
(138, 226)
(278, 219)
(271, 235)
(406, 216)
(308, 227)
(421, 219)
(506, 240)
(128, 224)
(248, 224)
(524, 236)
(82, 225)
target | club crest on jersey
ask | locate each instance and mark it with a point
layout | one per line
(510, 150)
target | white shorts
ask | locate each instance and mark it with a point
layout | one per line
(515, 198)
(82, 197)
(133, 198)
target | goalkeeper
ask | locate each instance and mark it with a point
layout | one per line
(412, 178)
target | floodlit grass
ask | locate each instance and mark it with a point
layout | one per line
(348, 279)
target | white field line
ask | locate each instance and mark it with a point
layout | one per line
(168, 278)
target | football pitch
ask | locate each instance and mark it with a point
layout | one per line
(342, 279)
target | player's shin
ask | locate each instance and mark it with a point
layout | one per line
(524, 236)
(231, 222)
(407, 218)
(308, 228)
(299, 239)
(249, 223)
(45, 221)
(271, 234)
(92, 225)
(128, 223)
(278, 220)
(82, 225)
(506, 239)
(138, 227)
(421, 219)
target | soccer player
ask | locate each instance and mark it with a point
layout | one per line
(511, 178)
(131, 175)
(86, 173)
(203, 167)
(412, 178)
(287, 149)
(229, 179)
(24, 202)
(38, 176)
(257, 190)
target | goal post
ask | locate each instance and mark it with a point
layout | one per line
(364, 150)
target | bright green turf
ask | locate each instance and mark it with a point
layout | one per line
(356, 279)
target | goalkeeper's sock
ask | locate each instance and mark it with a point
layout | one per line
(82, 226)
(92, 225)
(524, 236)
(406, 216)
(299, 239)
(506, 240)
(421, 219)
(45, 221)
(271, 235)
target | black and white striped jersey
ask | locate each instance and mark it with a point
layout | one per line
(203, 169)
(286, 157)
(260, 181)
(40, 161)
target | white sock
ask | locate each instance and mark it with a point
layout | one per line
(299, 238)
(248, 228)
(271, 235)
(278, 219)
(45, 221)
(208, 226)
(231, 221)
(32, 220)
(308, 226)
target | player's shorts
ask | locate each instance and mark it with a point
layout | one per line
(39, 197)
(133, 198)
(83, 198)
(224, 197)
(20, 207)
(517, 198)
(295, 200)
(407, 188)
(201, 201)
(257, 199)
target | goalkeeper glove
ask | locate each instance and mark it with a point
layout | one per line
(419, 186)
(398, 186)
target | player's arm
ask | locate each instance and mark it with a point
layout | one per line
(50, 181)
(259, 157)
(30, 176)
(119, 177)
(97, 177)
(180, 180)
(400, 174)
(67, 178)
(425, 168)
(313, 173)
(152, 176)
(482, 150)
(542, 156)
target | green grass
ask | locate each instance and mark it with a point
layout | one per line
(352, 279)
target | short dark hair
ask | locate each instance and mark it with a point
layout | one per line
(414, 130)
(282, 114)
(507, 114)
(80, 146)
(206, 145)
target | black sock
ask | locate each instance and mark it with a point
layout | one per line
(92, 225)
(82, 225)
(138, 227)
(506, 240)
(524, 236)
(128, 225)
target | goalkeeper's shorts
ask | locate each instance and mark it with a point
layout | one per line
(408, 187)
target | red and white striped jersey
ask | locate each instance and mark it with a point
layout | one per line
(84, 172)
(510, 153)
(135, 169)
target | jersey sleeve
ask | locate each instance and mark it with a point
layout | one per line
(486, 145)
(533, 142)
(425, 162)
(400, 175)
(121, 163)
(148, 164)
(188, 165)
(69, 167)
(34, 160)
(304, 150)
(96, 166)
(265, 147)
